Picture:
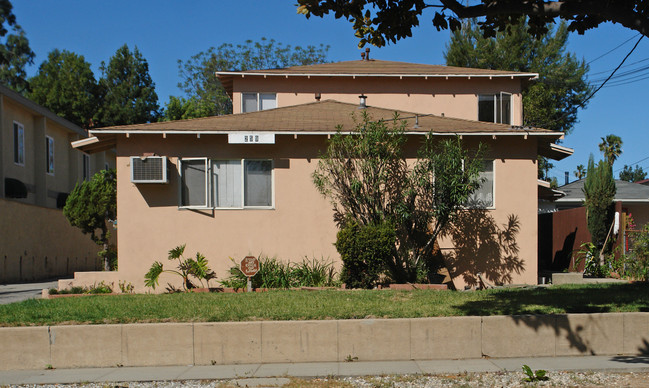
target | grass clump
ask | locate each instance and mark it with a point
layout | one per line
(277, 274)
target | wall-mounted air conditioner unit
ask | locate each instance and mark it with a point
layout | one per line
(149, 169)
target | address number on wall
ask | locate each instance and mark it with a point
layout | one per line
(251, 138)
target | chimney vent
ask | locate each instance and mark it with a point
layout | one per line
(363, 102)
(367, 54)
(567, 177)
(362, 56)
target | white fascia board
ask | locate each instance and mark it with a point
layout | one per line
(83, 142)
(141, 132)
(243, 74)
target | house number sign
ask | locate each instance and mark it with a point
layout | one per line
(250, 267)
(251, 138)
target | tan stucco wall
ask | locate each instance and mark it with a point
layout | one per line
(301, 224)
(68, 166)
(453, 97)
(39, 243)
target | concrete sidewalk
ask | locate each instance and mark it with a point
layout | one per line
(251, 371)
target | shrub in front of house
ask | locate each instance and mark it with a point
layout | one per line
(364, 250)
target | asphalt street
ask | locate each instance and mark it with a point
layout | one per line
(10, 293)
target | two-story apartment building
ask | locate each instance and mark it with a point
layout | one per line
(237, 185)
(38, 169)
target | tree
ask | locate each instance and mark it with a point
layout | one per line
(549, 102)
(206, 95)
(630, 174)
(379, 21)
(15, 52)
(66, 85)
(127, 91)
(580, 173)
(369, 182)
(91, 206)
(611, 147)
(599, 191)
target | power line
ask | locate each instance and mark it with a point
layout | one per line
(613, 49)
(641, 160)
(613, 73)
(630, 64)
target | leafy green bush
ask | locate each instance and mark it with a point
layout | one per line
(636, 264)
(365, 251)
(276, 274)
(196, 268)
(589, 254)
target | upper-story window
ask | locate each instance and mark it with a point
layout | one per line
(49, 154)
(252, 102)
(86, 167)
(495, 108)
(19, 144)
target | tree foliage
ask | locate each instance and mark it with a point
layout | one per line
(580, 172)
(15, 52)
(128, 92)
(91, 205)
(66, 85)
(369, 182)
(549, 102)
(611, 147)
(205, 94)
(599, 191)
(382, 21)
(631, 174)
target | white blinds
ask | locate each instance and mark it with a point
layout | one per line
(226, 183)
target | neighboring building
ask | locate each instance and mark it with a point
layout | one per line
(241, 184)
(564, 227)
(38, 169)
(634, 198)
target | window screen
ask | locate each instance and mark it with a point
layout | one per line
(504, 108)
(249, 102)
(486, 108)
(226, 183)
(194, 182)
(267, 101)
(258, 182)
(49, 154)
(19, 144)
(484, 196)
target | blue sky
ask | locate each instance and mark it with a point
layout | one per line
(166, 30)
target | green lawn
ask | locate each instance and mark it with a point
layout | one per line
(331, 304)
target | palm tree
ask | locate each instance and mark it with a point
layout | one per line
(581, 172)
(611, 147)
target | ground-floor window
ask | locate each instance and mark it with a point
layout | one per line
(226, 184)
(483, 197)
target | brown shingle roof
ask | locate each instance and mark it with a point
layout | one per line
(315, 117)
(374, 68)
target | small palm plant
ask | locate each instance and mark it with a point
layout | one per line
(196, 268)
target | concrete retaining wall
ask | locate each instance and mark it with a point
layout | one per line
(323, 341)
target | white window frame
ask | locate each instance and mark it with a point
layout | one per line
(498, 97)
(85, 167)
(49, 155)
(207, 184)
(258, 99)
(19, 143)
(209, 190)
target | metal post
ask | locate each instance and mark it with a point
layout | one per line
(249, 284)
